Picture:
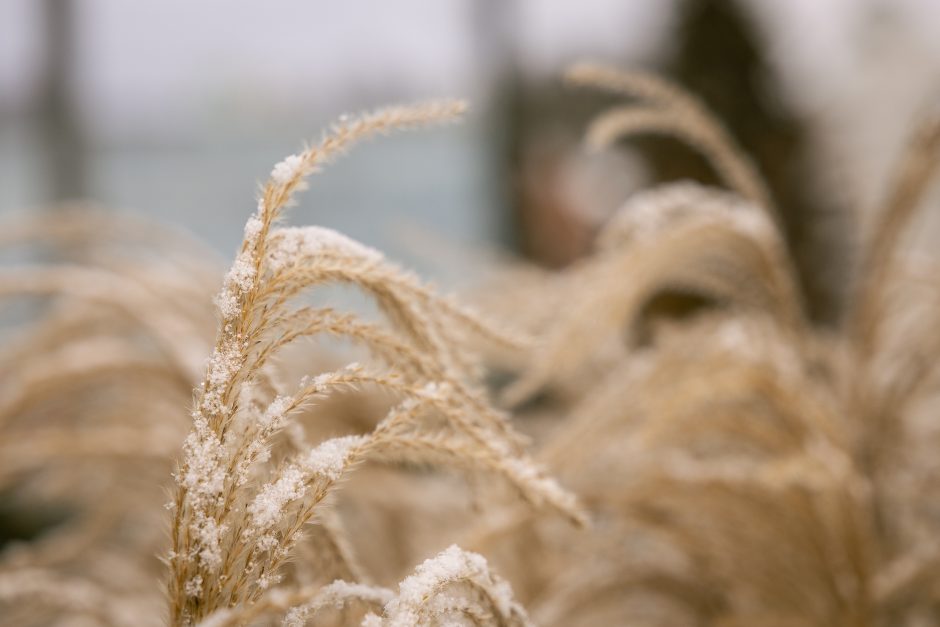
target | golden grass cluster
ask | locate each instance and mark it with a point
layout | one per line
(719, 459)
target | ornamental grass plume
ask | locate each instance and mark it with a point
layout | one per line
(743, 467)
(243, 502)
(91, 381)
(740, 465)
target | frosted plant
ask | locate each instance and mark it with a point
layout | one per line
(743, 466)
(428, 595)
(90, 389)
(667, 109)
(725, 248)
(455, 587)
(239, 510)
(679, 237)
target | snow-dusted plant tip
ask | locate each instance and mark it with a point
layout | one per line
(455, 587)
(239, 515)
(743, 464)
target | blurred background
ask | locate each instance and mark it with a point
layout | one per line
(178, 109)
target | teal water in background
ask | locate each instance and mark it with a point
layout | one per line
(412, 195)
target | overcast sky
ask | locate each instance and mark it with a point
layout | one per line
(152, 70)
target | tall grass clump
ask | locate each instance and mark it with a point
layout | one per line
(739, 464)
(107, 319)
(744, 466)
(242, 503)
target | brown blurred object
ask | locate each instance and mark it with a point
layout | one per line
(721, 59)
(556, 231)
(57, 119)
(555, 203)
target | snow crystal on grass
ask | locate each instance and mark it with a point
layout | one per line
(329, 459)
(288, 169)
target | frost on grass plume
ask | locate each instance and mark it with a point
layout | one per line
(275, 414)
(297, 243)
(322, 380)
(204, 454)
(648, 214)
(328, 460)
(240, 278)
(223, 366)
(336, 595)
(288, 169)
(267, 506)
(239, 516)
(453, 565)
(272, 419)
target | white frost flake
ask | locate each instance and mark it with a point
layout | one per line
(451, 565)
(293, 243)
(266, 508)
(287, 169)
(329, 459)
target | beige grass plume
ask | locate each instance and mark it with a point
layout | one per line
(91, 388)
(667, 109)
(239, 511)
(744, 467)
